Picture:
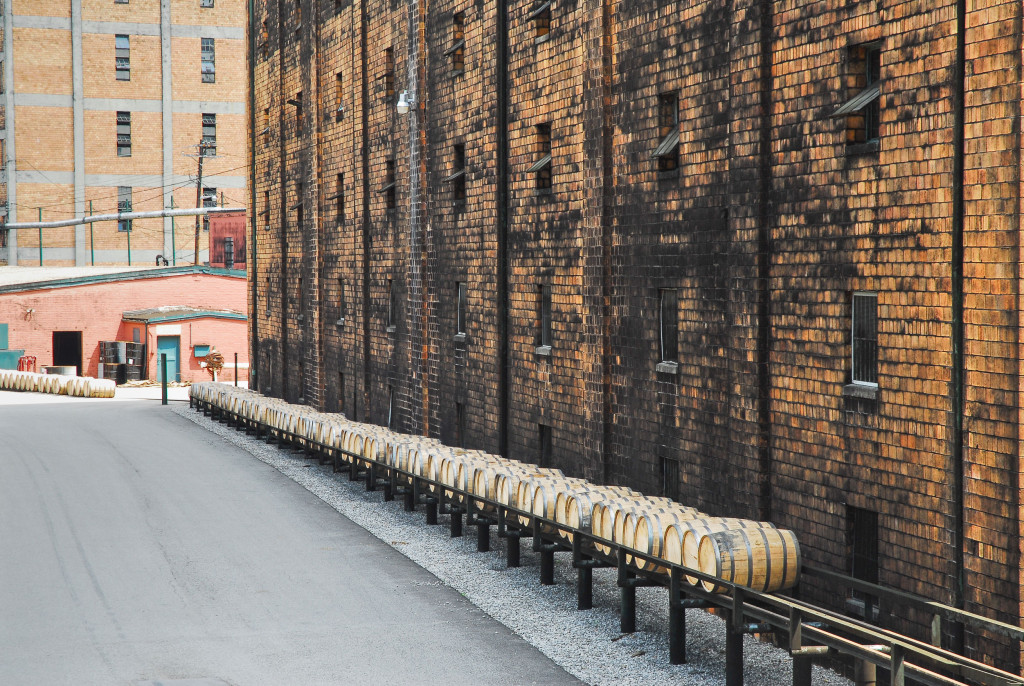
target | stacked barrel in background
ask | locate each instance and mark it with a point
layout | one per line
(749, 553)
(80, 386)
(122, 361)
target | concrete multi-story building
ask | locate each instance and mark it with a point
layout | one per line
(105, 104)
(760, 256)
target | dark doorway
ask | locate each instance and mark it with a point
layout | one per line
(67, 350)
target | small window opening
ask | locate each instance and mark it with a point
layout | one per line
(388, 189)
(460, 316)
(339, 197)
(339, 105)
(458, 176)
(670, 478)
(392, 305)
(389, 73)
(667, 152)
(208, 65)
(864, 87)
(865, 339)
(541, 169)
(124, 204)
(209, 139)
(544, 456)
(541, 18)
(544, 316)
(122, 58)
(669, 324)
(456, 51)
(124, 134)
(391, 405)
(862, 546)
(341, 301)
(460, 426)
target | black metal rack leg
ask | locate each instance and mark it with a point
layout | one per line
(547, 567)
(627, 608)
(513, 549)
(584, 588)
(733, 654)
(483, 535)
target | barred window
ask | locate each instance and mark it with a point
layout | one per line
(206, 3)
(669, 320)
(124, 134)
(122, 58)
(667, 152)
(541, 18)
(460, 312)
(209, 200)
(124, 204)
(389, 73)
(542, 167)
(209, 134)
(865, 338)
(388, 189)
(458, 176)
(864, 88)
(456, 51)
(544, 316)
(207, 60)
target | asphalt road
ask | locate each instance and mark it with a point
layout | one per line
(136, 547)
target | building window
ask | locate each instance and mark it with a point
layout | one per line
(458, 176)
(209, 200)
(865, 338)
(670, 478)
(341, 301)
(456, 52)
(541, 18)
(544, 316)
(667, 152)
(120, 2)
(207, 60)
(339, 105)
(124, 204)
(122, 58)
(862, 546)
(339, 197)
(542, 167)
(298, 15)
(206, 3)
(460, 308)
(296, 102)
(460, 425)
(388, 189)
(389, 73)
(392, 304)
(266, 125)
(265, 38)
(124, 134)
(544, 445)
(209, 140)
(391, 405)
(668, 309)
(863, 88)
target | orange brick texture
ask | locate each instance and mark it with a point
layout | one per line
(770, 223)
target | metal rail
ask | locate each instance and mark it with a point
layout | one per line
(808, 631)
(118, 216)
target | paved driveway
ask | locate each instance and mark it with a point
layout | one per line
(135, 546)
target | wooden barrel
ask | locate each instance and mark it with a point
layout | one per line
(692, 537)
(567, 498)
(764, 559)
(580, 507)
(649, 532)
(545, 496)
(604, 516)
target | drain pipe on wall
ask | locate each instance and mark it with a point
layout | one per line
(254, 339)
(957, 278)
(501, 137)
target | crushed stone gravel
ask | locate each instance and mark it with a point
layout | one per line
(587, 644)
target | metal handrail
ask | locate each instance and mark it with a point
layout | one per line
(846, 635)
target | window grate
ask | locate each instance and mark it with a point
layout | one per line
(124, 134)
(669, 324)
(207, 58)
(124, 204)
(865, 338)
(122, 57)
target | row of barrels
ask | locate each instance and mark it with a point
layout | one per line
(56, 384)
(750, 553)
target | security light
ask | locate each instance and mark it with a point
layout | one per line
(405, 102)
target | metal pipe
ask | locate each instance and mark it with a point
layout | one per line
(118, 216)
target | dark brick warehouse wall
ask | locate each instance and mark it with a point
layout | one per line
(773, 216)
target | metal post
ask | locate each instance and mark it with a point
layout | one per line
(627, 596)
(456, 515)
(733, 649)
(40, 238)
(128, 233)
(897, 670)
(92, 240)
(483, 535)
(676, 619)
(163, 376)
(236, 370)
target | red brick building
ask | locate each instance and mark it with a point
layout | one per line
(60, 316)
(762, 257)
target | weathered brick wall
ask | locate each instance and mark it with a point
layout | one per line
(770, 223)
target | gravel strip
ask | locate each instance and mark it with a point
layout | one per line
(586, 644)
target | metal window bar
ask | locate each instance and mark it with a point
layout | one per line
(669, 321)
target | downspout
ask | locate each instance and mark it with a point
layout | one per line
(957, 278)
(764, 263)
(501, 28)
(283, 221)
(254, 339)
(364, 148)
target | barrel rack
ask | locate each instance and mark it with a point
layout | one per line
(806, 630)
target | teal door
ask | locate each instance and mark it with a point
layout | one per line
(170, 346)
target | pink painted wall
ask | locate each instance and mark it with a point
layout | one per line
(96, 311)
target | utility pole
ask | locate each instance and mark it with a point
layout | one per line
(199, 195)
